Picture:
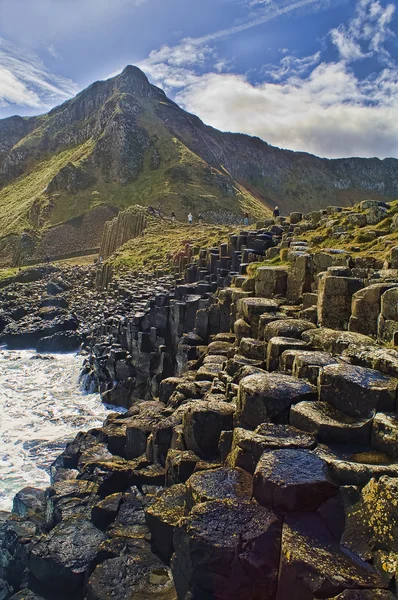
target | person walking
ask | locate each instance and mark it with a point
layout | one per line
(190, 219)
(200, 219)
(173, 216)
(276, 212)
(246, 219)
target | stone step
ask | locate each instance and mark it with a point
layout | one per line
(329, 424)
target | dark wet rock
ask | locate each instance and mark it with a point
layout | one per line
(67, 499)
(290, 328)
(16, 536)
(314, 565)
(357, 391)
(219, 484)
(202, 426)
(180, 464)
(130, 518)
(372, 523)
(365, 595)
(253, 349)
(227, 550)
(139, 428)
(28, 500)
(248, 446)
(69, 458)
(307, 364)
(277, 346)
(131, 576)
(266, 397)
(162, 517)
(26, 595)
(64, 341)
(385, 433)
(329, 424)
(26, 333)
(105, 511)
(61, 560)
(292, 479)
(356, 465)
(334, 341)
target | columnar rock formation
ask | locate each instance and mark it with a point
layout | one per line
(128, 224)
(264, 468)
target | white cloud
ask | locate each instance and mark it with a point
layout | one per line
(369, 27)
(292, 65)
(25, 81)
(330, 113)
(304, 103)
(348, 48)
(13, 91)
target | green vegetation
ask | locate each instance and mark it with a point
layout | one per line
(5, 273)
(162, 244)
(18, 198)
(375, 240)
(181, 181)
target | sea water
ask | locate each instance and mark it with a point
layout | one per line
(41, 409)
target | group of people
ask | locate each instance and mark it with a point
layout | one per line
(246, 218)
(190, 219)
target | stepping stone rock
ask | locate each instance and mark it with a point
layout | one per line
(248, 446)
(227, 550)
(220, 484)
(365, 595)
(180, 464)
(289, 328)
(307, 364)
(291, 479)
(333, 341)
(313, 565)
(131, 576)
(276, 347)
(253, 349)
(357, 391)
(265, 397)
(271, 282)
(356, 465)
(385, 433)
(62, 559)
(162, 517)
(253, 308)
(203, 423)
(329, 424)
(372, 522)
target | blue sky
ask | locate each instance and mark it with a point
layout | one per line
(313, 75)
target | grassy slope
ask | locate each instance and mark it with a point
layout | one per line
(162, 241)
(17, 198)
(358, 241)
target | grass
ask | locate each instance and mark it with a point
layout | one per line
(162, 242)
(5, 273)
(18, 198)
(357, 240)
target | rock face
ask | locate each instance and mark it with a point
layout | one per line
(256, 458)
(118, 134)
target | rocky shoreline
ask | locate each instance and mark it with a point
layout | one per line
(257, 458)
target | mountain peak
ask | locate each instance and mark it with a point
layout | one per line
(134, 81)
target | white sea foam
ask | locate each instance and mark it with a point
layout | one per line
(41, 409)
